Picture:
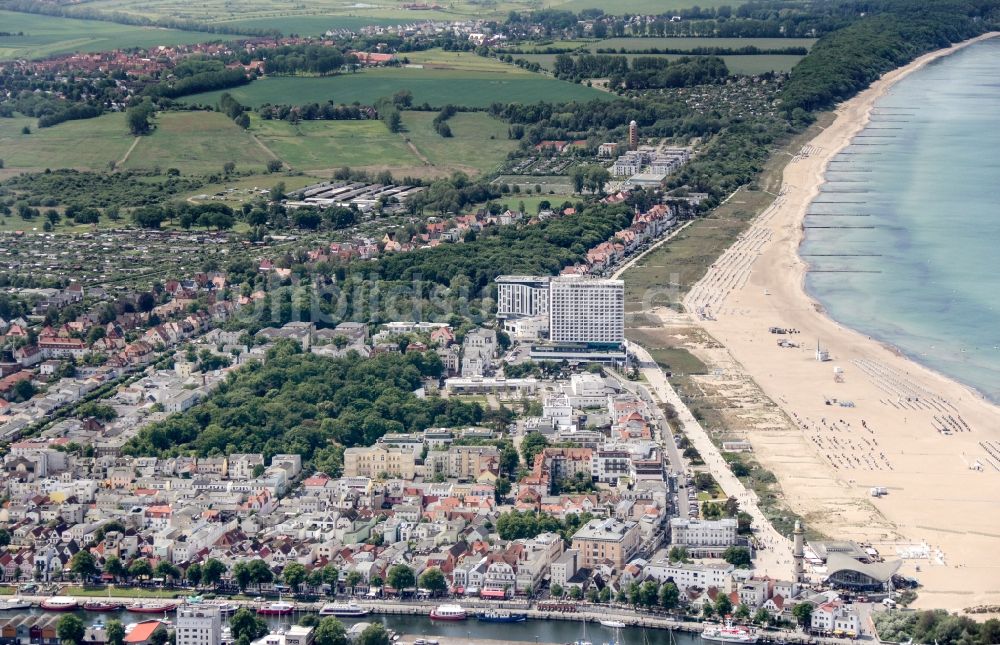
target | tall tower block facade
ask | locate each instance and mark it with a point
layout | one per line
(633, 135)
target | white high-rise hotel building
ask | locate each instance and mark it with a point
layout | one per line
(577, 309)
(586, 310)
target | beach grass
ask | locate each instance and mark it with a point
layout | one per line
(685, 259)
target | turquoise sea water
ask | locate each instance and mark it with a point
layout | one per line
(920, 187)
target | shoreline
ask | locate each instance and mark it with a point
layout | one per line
(869, 417)
(881, 87)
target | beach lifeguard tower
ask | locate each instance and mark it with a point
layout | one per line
(822, 355)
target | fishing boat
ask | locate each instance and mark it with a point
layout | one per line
(151, 608)
(279, 608)
(500, 616)
(613, 624)
(59, 603)
(103, 606)
(729, 633)
(14, 604)
(448, 612)
(343, 609)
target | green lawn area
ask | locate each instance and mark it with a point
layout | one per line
(479, 142)
(92, 143)
(48, 35)
(513, 200)
(438, 87)
(196, 143)
(117, 592)
(630, 44)
(314, 145)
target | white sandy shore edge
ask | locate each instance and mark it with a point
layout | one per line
(837, 454)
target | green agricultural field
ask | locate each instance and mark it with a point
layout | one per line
(479, 142)
(434, 86)
(310, 24)
(196, 143)
(736, 64)
(325, 145)
(49, 35)
(631, 44)
(90, 144)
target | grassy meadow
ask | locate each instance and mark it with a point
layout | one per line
(436, 84)
(90, 144)
(325, 145)
(49, 35)
(478, 144)
(196, 143)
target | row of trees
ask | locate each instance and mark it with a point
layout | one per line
(440, 121)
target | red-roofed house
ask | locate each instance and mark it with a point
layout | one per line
(142, 634)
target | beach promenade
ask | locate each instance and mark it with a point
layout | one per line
(864, 416)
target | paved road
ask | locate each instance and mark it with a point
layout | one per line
(775, 558)
(676, 466)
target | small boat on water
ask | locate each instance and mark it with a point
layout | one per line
(613, 624)
(500, 616)
(343, 609)
(14, 604)
(103, 606)
(59, 603)
(448, 612)
(151, 608)
(729, 633)
(280, 608)
(228, 608)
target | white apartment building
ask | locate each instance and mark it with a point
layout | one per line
(586, 310)
(703, 533)
(519, 295)
(201, 625)
(687, 576)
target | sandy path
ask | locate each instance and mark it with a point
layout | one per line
(921, 436)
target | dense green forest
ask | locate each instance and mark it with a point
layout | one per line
(891, 33)
(308, 405)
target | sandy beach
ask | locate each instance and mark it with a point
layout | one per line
(868, 417)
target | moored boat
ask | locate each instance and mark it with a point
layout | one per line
(14, 604)
(59, 603)
(343, 609)
(729, 633)
(103, 606)
(228, 608)
(279, 608)
(151, 608)
(614, 624)
(448, 612)
(500, 616)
